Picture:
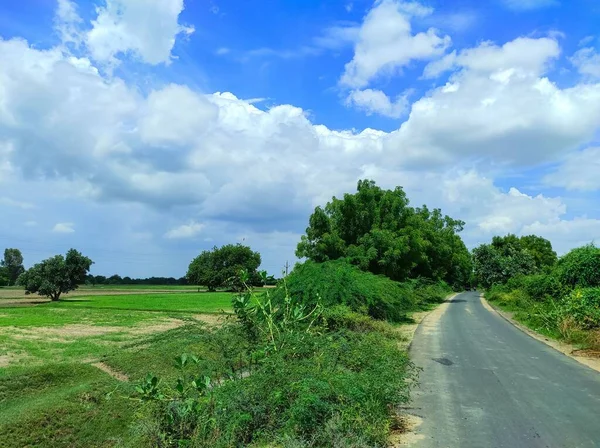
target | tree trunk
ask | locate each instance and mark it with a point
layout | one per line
(54, 297)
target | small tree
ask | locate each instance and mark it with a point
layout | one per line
(56, 275)
(222, 266)
(13, 265)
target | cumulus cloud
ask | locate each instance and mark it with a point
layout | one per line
(145, 28)
(386, 43)
(63, 227)
(185, 230)
(587, 62)
(578, 172)
(376, 102)
(262, 170)
(67, 22)
(499, 104)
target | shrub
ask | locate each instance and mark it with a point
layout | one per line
(580, 267)
(339, 283)
(543, 287)
(583, 305)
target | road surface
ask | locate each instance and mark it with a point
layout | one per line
(485, 384)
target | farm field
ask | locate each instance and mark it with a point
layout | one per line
(58, 360)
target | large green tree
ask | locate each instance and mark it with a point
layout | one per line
(509, 256)
(12, 264)
(56, 275)
(221, 266)
(378, 231)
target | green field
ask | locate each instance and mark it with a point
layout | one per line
(51, 391)
(198, 302)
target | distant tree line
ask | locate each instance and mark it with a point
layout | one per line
(118, 280)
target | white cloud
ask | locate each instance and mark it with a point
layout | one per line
(523, 56)
(185, 230)
(222, 51)
(377, 102)
(580, 171)
(587, 62)
(499, 105)
(63, 227)
(263, 170)
(386, 42)
(338, 36)
(67, 22)
(528, 5)
(14, 203)
(146, 28)
(566, 234)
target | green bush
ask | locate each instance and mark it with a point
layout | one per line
(339, 283)
(583, 305)
(543, 287)
(580, 267)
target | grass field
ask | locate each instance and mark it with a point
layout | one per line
(52, 356)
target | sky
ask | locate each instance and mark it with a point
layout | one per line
(142, 132)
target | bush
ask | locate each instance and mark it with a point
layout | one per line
(339, 283)
(583, 305)
(543, 287)
(580, 267)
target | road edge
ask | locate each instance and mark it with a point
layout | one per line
(411, 335)
(562, 347)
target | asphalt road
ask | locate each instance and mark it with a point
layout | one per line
(485, 383)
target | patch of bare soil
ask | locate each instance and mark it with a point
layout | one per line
(592, 360)
(212, 320)
(109, 370)
(405, 433)
(10, 358)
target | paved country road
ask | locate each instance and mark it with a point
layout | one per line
(487, 384)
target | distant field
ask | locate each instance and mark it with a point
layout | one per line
(199, 302)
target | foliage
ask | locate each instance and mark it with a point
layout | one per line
(12, 265)
(301, 379)
(543, 287)
(500, 261)
(56, 275)
(580, 267)
(4, 280)
(584, 306)
(378, 231)
(221, 266)
(118, 280)
(541, 250)
(339, 283)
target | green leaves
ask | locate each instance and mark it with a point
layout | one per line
(222, 266)
(376, 230)
(56, 275)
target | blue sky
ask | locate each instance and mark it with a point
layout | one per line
(142, 132)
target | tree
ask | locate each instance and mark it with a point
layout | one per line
(13, 265)
(541, 250)
(580, 267)
(56, 275)
(222, 266)
(501, 260)
(3, 276)
(379, 232)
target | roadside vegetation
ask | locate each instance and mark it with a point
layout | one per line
(317, 361)
(558, 297)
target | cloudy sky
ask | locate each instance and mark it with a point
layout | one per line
(144, 131)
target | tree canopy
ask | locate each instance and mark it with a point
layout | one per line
(56, 275)
(378, 231)
(12, 266)
(509, 256)
(221, 266)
